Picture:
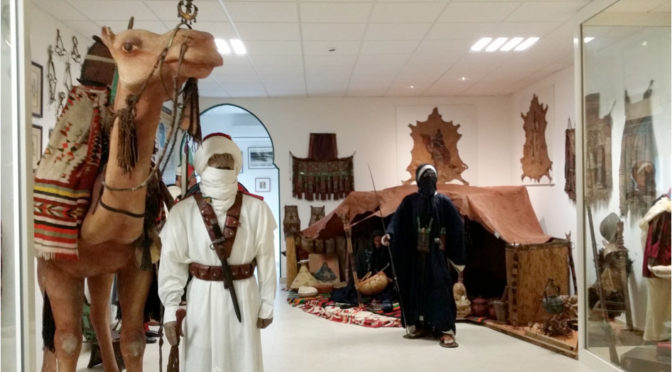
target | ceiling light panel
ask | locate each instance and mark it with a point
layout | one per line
(238, 47)
(223, 47)
(511, 44)
(526, 44)
(480, 44)
(496, 44)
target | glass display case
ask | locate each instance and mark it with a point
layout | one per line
(625, 75)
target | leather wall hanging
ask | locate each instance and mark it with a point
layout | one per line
(535, 160)
(435, 142)
(322, 175)
(570, 161)
(637, 172)
(597, 180)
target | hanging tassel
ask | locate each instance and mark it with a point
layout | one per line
(128, 137)
(192, 110)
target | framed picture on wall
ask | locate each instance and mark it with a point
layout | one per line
(262, 184)
(36, 138)
(260, 157)
(35, 80)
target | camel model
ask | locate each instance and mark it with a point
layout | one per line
(107, 232)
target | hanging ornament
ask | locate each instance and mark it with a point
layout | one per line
(61, 98)
(59, 48)
(74, 53)
(67, 77)
(187, 12)
(51, 75)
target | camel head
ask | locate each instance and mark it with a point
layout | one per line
(136, 52)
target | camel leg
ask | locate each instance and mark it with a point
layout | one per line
(133, 285)
(66, 295)
(48, 357)
(100, 287)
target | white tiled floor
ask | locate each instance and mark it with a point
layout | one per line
(297, 342)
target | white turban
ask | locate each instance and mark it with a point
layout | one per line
(422, 169)
(217, 143)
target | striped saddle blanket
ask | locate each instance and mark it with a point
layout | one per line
(67, 171)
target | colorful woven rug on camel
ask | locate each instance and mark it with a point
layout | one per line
(364, 316)
(67, 172)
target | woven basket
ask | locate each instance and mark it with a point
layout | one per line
(373, 284)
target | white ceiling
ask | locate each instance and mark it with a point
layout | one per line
(382, 47)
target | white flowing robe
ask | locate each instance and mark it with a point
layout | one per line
(214, 340)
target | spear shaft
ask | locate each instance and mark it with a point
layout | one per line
(389, 251)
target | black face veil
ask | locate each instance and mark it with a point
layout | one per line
(425, 177)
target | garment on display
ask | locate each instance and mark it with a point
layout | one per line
(435, 142)
(655, 226)
(598, 173)
(535, 161)
(226, 304)
(637, 170)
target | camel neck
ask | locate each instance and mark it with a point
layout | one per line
(148, 111)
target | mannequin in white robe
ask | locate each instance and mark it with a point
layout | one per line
(214, 339)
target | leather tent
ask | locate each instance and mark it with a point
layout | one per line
(504, 211)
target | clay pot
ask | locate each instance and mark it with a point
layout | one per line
(479, 306)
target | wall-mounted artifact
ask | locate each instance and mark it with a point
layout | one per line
(291, 223)
(59, 48)
(570, 160)
(435, 142)
(638, 150)
(74, 53)
(322, 174)
(51, 74)
(535, 160)
(598, 181)
(67, 77)
(316, 214)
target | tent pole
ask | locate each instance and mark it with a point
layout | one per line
(348, 240)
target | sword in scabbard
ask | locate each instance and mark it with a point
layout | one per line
(228, 284)
(389, 251)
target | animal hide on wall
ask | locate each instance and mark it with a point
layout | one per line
(322, 175)
(435, 142)
(637, 171)
(598, 181)
(535, 160)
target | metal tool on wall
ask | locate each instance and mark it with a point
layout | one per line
(59, 48)
(51, 74)
(74, 53)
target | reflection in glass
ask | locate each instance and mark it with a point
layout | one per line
(626, 89)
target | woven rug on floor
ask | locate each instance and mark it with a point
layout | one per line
(324, 307)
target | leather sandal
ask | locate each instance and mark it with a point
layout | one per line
(448, 341)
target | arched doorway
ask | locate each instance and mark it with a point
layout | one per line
(259, 175)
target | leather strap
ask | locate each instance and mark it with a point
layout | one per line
(216, 274)
(222, 243)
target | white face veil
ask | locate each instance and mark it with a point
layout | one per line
(219, 184)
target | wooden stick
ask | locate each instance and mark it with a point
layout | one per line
(348, 240)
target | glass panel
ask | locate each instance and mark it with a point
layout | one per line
(9, 285)
(626, 166)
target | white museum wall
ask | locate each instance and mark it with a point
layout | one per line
(42, 34)
(555, 210)
(637, 56)
(369, 128)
